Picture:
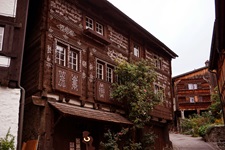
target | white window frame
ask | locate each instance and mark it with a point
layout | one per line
(136, 50)
(99, 28)
(67, 56)
(109, 73)
(192, 86)
(60, 55)
(89, 23)
(2, 29)
(100, 70)
(73, 59)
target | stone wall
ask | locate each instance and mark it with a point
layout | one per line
(9, 111)
(216, 134)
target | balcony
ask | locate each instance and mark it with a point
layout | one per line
(67, 80)
(102, 91)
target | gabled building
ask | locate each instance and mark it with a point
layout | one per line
(70, 54)
(13, 17)
(217, 61)
(192, 92)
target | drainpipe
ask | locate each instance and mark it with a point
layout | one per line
(22, 96)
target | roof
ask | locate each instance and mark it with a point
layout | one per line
(110, 11)
(88, 113)
(190, 72)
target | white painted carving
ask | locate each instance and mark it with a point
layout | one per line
(101, 90)
(91, 66)
(116, 56)
(75, 82)
(91, 78)
(62, 79)
(83, 75)
(66, 30)
(49, 49)
(84, 63)
(48, 58)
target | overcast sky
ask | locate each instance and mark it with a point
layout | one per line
(185, 26)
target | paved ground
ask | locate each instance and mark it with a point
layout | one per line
(185, 142)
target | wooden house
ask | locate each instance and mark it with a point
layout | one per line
(70, 52)
(13, 17)
(192, 92)
(217, 59)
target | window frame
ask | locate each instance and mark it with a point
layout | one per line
(158, 88)
(68, 50)
(96, 26)
(192, 86)
(157, 62)
(136, 50)
(106, 67)
(2, 37)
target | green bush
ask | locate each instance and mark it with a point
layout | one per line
(7, 143)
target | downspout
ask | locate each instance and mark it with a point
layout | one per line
(22, 97)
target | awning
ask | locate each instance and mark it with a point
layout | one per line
(89, 113)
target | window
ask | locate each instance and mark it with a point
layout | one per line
(1, 37)
(67, 56)
(159, 91)
(95, 26)
(136, 51)
(109, 73)
(158, 62)
(99, 28)
(8, 8)
(192, 99)
(100, 74)
(89, 23)
(192, 86)
(104, 71)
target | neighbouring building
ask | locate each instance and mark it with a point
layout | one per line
(13, 17)
(217, 61)
(70, 53)
(192, 92)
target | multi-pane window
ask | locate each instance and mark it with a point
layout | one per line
(105, 71)
(73, 59)
(192, 86)
(67, 56)
(109, 74)
(100, 69)
(89, 23)
(136, 51)
(1, 37)
(99, 28)
(95, 26)
(60, 55)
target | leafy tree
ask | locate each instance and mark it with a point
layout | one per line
(215, 107)
(134, 90)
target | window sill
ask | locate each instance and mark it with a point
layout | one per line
(97, 37)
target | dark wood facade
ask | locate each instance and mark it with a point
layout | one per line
(192, 92)
(71, 51)
(217, 59)
(12, 39)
